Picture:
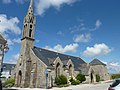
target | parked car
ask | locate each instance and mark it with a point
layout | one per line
(115, 85)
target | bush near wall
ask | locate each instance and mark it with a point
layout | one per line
(81, 78)
(9, 83)
(61, 80)
(97, 77)
(74, 82)
(115, 76)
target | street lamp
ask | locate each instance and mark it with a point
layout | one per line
(3, 49)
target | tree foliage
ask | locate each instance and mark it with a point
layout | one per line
(61, 80)
(9, 83)
(81, 78)
(74, 82)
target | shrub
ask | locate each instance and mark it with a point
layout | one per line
(57, 81)
(74, 82)
(97, 77)
(61, 80)
(71, 79)
(65, 85)
(81, 78)
(9, 83)
(115, 76)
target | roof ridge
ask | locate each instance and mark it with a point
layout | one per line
(57, 52)
(9, 63)
(96, 61)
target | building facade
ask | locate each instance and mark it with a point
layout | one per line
(38, 67)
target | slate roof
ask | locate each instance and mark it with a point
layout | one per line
(8, 67)
(65, 62)
(96, 62)
(48, 57)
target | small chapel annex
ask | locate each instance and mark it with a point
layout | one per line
(37, 66)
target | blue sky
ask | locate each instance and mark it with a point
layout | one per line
(85, 28)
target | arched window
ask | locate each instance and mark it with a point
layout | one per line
(31, 20)
(70, 70)
(24, 32)
(57, 69)
(30, 33)
(31, 26)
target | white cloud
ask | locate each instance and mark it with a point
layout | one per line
(114, 64)
(6, 1)
(60, 33)
(14, 59)
(10, 1)
(43, 5)
(82, 38)
(97, 50)
(21, 1)
(9, 25)
(16, 40)
(68, 48)
(113, 67)
(97, 25)
(82, 26)
(37, 40)
(77, 28)
(10, 42)
(13, 41)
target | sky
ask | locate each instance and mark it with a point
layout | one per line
(85, 28)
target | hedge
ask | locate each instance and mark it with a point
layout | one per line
(115, 76)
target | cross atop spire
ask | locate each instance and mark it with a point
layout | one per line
(30, 9)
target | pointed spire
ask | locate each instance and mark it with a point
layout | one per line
(30, 9)
(31, 4)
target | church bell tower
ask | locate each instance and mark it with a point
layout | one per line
(27, 42)
(29, 23)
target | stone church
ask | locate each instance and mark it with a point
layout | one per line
(38, 67)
